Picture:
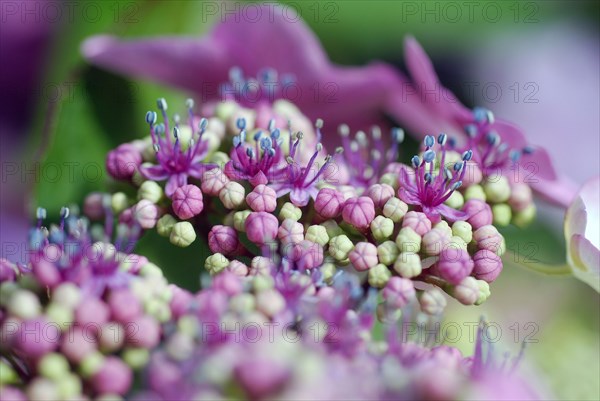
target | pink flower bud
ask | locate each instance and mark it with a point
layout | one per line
(488, 265)
(123, 161)
(290, 232)
(359, 212)
(124, 305)
(228, 282)
(261, 265)
(329, 203)
(380, 194)
(480, 213)
(473, 175)
(417, 221)
(261, 377)
(187, 201)
(454, 265)
(114, 377)
(78, 343)
(398, 292)
(307, 255)
(434, 241)
(46, 273)
(180, 301)
(92, 312)
(9, 393)
(467, 291)
(363, 256)
(213, 181)
(223, 239)
(488, 238)
(238, 268)
(261, 227)
(262, 199)
(520, 196)
(37, 337)
(142, 331)
(93, 206)
(145, 214)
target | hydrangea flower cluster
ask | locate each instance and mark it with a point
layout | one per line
(81, 317)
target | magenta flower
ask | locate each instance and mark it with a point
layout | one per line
(257, 164)
(352, 95)
(429, 192)
(174, 163)
(423, 105)
(299, 180)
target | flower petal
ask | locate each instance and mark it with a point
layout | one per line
(154, 173)
(175, 181)
(452, 214)
(584, 259)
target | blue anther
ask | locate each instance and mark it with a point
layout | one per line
(266, 143)
(398, 135)
(528, 150)
(515, 155)
(468, 155)
(257, 135)
(429, 141)
(161, 103)
(416, 161)
(457, 166)
(271, 152)
(480, 114)
(40, 213)
(189, 103)
(250, 152)
(471, 130)
(241, 123)
(236, 141)
(159, 129)
(493, 138)
(429, 156)
(442, 138)
(151, 117)
(428, 177)
(203, 123)
(275, 133)
(456, 185)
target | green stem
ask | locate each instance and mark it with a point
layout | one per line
(543, 268)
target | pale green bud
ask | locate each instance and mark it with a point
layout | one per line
(379, 275)
(67, 295)
(475, 192)
(165, 225)
(59, 314)
(484, 292)
(137, 178)
(457, 242)
(225, 110)
(463, 230)
(53, 366)
(386, 314)
(387, 252)
(215, 263)
(502, 214)
(467, 291)
(150, 270)
(270, 302)
(242, 303)
(232, 195)
(24, 304)
(432, 301)
(408, 240)
(182, 234)
(119, 202)
(289, 211)
(239, 220)
(7, 288)
(395, 209)
(151, 191)
(68, 386)
(328, 270)
(219, 158)
(340, 246)
(443, 225)
(382, 228)
(7, 374)
(502, 248)
(523, 218)
(498, 190)
(408, 265)
(42, 389)
(262, 283)
(317, 234)
(390, 179)
(332, 227)
(91, 364)
(456, 200)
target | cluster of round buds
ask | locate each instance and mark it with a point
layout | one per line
(62, 342)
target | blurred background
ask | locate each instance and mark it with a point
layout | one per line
(535, 63)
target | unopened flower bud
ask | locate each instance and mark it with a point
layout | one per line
(363, 256)
(238, 268)
(484, 292)
(432, 301)
(488, 265)
(123, 162)
(454, 265)
(520, 196)
(261, 265)
(457, 242)
(262, 199)
(213, 181)
(53, 366)
(387, 252)
(290, 232)
(480, 213)
(261, 227)
(307, 255)
(327, 270)
(463, 230)
(216, 263)
(390, 179)
(187, 201)
(502, 214)
(408, 240)
(24, 304)
(223, 239)
(382, 228)
(290, 211)
(145, 214)
(359, 212)
(379, 275)
(165, 225)
(475, 192)
(332, 228)
(182, 234)
(434, 241)
(467, 291)
(329, 203)
(498, 190)
(151, 191)
(408, 265)
(340, 247)
(232, 195)
(395, 209)
(417, 221)
(380, 194)
(239, 220)
(270, 302)
(398, 292)
(119, 202)
(524, 217)
(93, 206)
(318, 234)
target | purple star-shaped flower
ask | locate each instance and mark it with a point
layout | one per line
(352, 95)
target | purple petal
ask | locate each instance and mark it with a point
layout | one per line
(299, 196)
(154, 173)
(175, 181)
(452, 214)
(584, 258)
